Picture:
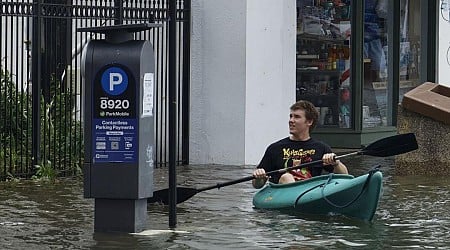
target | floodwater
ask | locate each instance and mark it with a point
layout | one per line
(414, 213)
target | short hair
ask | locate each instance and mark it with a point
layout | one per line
(311, 113)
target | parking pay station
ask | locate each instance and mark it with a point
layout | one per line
(119, 125)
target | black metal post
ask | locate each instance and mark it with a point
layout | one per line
(429, 40)
(118, 15)
(357, 64)
(36, 83)
(172, 114)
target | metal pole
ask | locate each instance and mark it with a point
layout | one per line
(36, 83)
(118, 15)
(172, 114)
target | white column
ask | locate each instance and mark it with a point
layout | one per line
(243, 78)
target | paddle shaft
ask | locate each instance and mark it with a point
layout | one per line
(271, 173)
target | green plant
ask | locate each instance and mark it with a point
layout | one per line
(61, 139)
(63, 142)
(15, 124)
(45, 171)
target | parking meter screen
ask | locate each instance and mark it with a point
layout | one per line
(114, 115)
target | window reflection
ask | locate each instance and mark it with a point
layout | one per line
(410, 47)
(375, 64)
(375, 91)
(323, 59)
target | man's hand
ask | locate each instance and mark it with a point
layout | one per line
(260, 173)
(260, 178)
(329, 159)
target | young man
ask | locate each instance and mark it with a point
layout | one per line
(298, 148)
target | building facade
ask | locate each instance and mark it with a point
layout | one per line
(353, 59)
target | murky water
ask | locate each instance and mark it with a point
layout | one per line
(413, 213)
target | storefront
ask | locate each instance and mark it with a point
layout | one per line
(356, 59)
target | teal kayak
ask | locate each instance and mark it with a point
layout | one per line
(355, 197)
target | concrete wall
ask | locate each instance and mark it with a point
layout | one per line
(243, 78)
(433, 155)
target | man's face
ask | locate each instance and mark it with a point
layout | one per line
(298, 123)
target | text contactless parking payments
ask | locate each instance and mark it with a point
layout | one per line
(114, 124)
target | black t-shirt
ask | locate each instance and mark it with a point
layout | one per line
(279, 153)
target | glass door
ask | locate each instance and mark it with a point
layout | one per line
(376, 87)
(375, 52)
(410, 46)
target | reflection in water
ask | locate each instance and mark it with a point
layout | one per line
(413, 213)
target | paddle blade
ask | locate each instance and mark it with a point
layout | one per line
(393, 145)
(162, 196)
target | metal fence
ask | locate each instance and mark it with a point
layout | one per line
(40, 79)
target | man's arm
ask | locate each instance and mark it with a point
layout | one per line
(340, 168)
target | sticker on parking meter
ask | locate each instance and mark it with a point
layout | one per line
(147, 95)
(114, 124)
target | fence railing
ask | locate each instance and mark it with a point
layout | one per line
(40, 78)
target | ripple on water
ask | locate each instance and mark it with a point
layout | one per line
(413, 213)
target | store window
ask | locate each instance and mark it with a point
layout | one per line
(323, 60)
(375, 110)
(410, 46)
(375, 87)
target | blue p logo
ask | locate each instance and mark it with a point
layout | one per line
(114, 81)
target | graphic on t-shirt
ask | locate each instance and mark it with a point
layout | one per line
(299, 156)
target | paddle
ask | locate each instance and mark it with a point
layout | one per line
(389, 146)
